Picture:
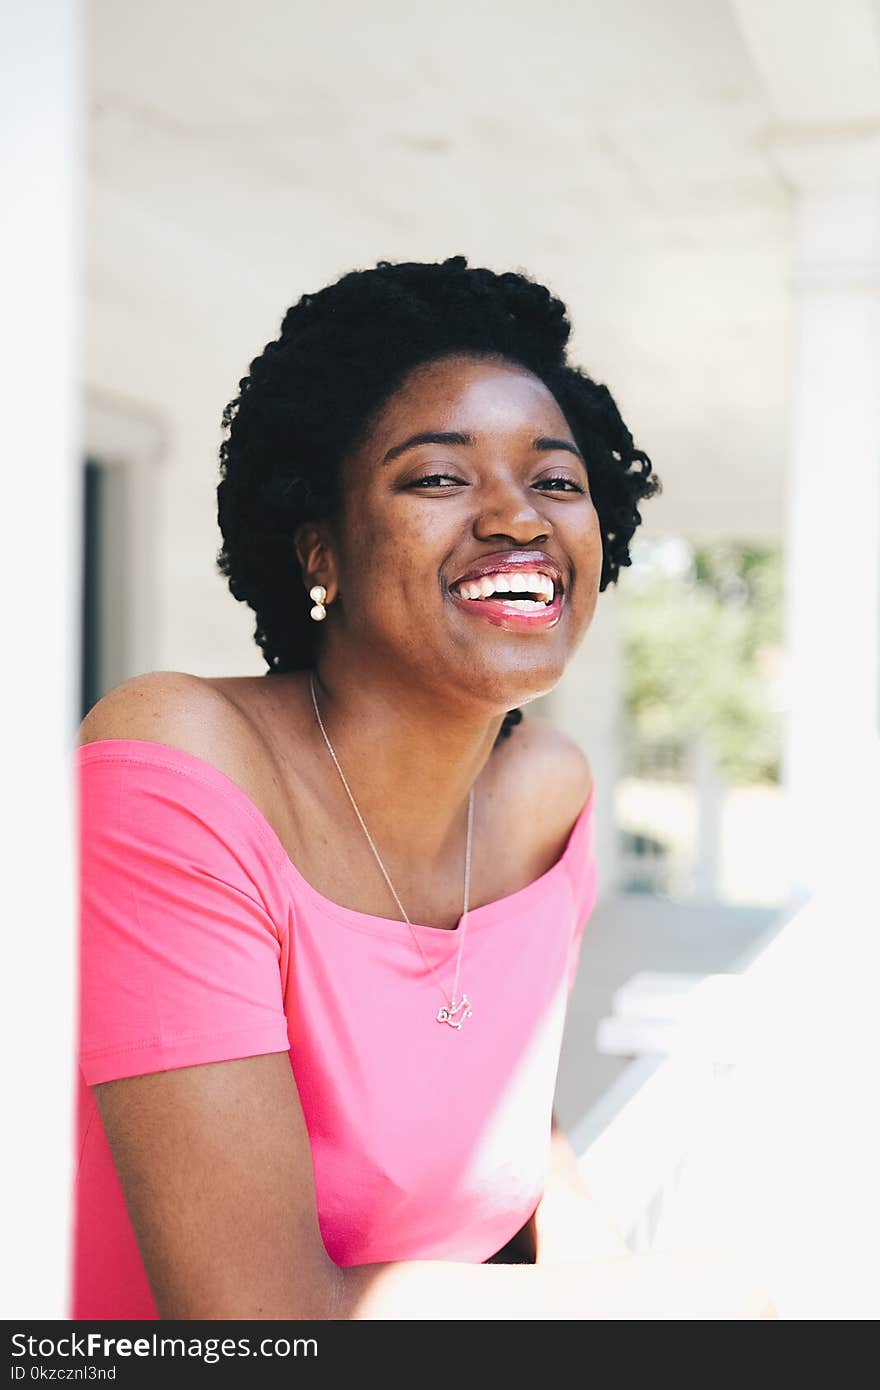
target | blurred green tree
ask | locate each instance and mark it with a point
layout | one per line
(701, 645)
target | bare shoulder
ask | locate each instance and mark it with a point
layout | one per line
(180, 710)
(546, 756)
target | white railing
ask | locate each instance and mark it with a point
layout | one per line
(762, 1124)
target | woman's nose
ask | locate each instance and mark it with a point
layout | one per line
(509, 511)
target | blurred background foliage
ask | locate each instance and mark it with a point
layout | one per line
(702, 651)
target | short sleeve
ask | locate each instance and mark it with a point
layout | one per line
(584, 877)
(179, 955)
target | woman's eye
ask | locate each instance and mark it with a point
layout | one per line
(560, 479)
(433, 478)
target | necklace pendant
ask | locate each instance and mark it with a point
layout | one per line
(447, 1013)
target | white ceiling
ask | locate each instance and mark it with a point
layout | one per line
(240, 155)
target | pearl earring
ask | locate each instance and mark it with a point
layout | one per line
(318, 593)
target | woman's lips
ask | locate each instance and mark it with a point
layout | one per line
(503, 613)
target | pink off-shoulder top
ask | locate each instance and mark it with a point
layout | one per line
(200, 942)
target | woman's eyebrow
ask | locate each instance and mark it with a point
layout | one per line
(428, 437)
(542, 444)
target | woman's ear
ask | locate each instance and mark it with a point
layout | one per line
(315, 554)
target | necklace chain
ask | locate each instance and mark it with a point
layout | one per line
(455, 1006)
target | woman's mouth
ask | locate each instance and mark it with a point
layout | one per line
(517, 611)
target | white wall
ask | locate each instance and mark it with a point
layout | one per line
(40, 131)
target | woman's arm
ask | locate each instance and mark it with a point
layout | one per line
(569, 1222)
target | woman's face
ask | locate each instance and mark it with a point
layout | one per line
(470, 461)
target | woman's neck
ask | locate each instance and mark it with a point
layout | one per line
(409, 757)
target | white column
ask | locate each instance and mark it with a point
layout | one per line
(40, 543)
(833, 499)
(710, 786)
(820, 70)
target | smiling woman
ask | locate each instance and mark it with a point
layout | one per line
(288, 884)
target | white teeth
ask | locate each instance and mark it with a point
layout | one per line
(527, 582)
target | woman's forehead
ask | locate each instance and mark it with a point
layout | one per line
(477, 394)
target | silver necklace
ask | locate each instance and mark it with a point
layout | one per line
(454, 1010)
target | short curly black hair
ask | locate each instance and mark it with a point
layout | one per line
(313, 392)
